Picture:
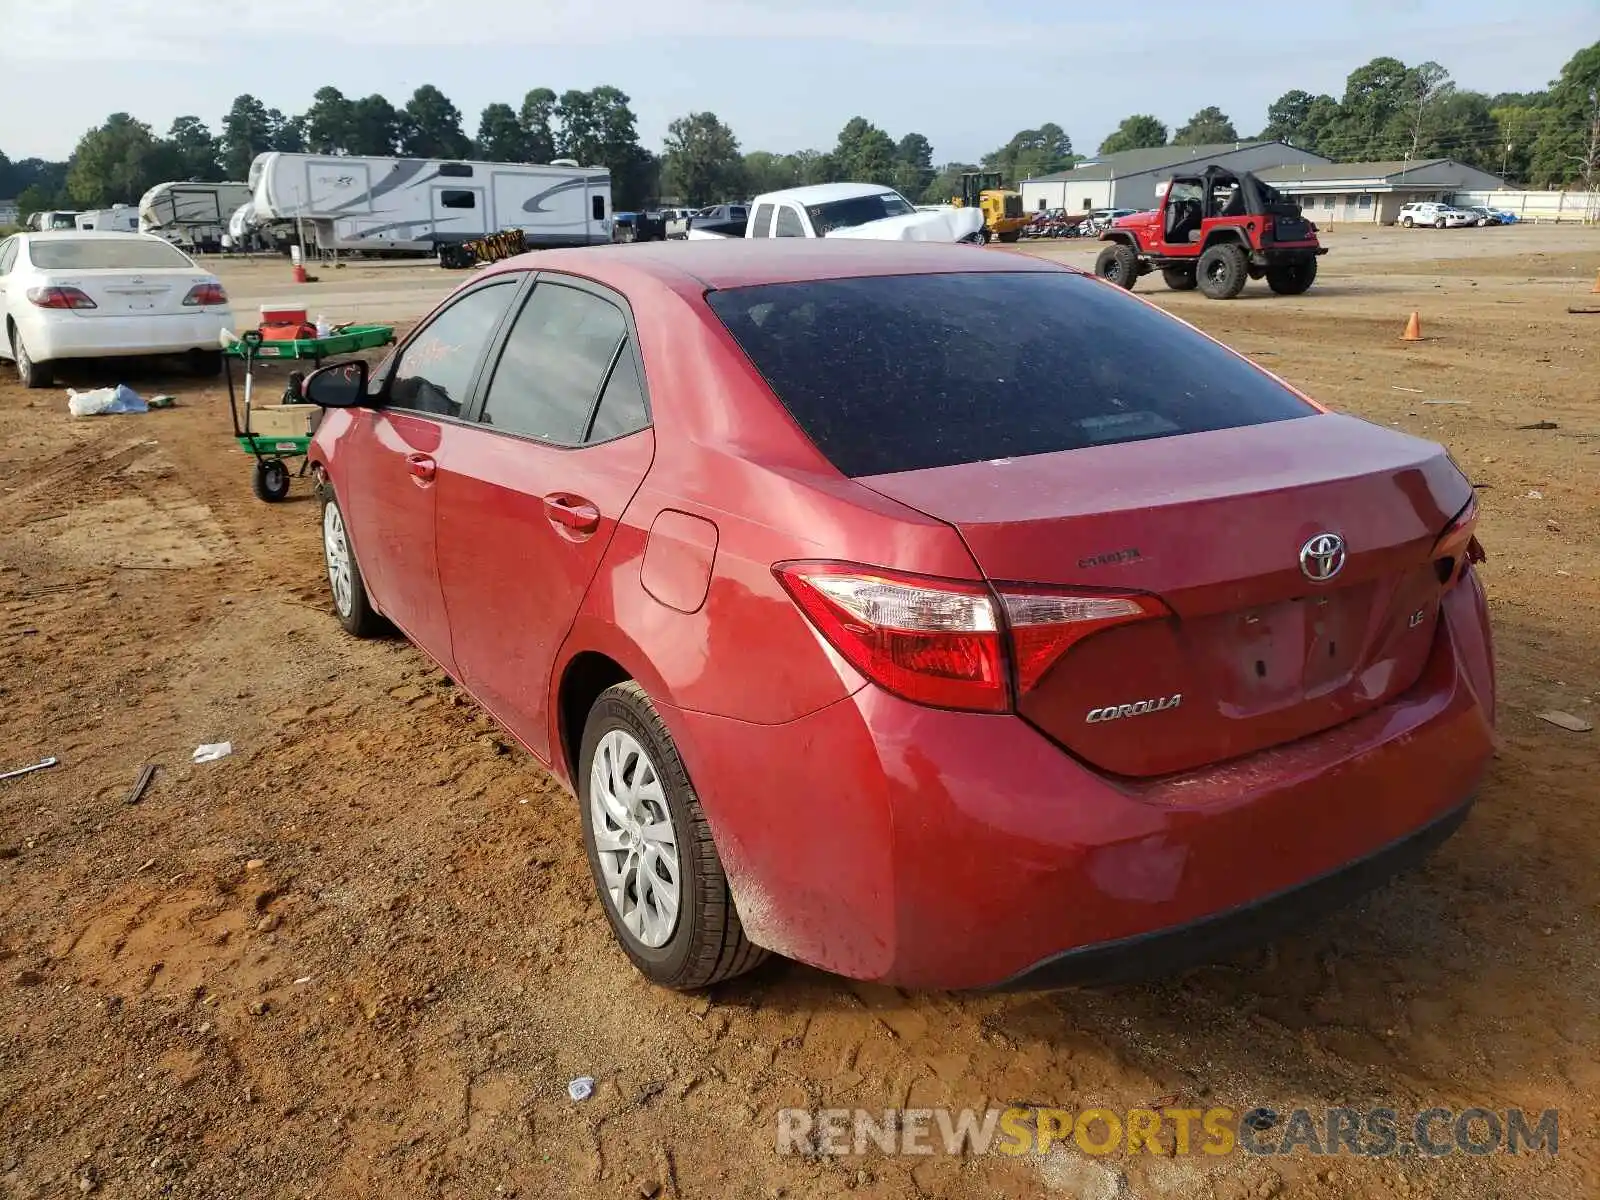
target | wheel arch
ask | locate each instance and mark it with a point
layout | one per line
(1218, 237)
(586, 675)
(1121, 235)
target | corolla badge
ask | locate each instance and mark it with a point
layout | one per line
(1116, 712)
(1322, 557)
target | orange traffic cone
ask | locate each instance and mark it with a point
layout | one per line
(1596, 288)
(1413, 331)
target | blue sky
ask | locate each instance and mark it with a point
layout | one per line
(784, 75)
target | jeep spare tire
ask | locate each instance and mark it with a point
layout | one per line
(1179, 279)
(1291, 279)
(1119, 264)
(1223, 271)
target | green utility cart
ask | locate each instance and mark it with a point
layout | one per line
(277, 434)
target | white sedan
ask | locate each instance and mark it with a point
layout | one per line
(105, 295)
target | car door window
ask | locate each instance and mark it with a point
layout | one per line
(435, 369)
(761, 223)
(789, 223)
(8, 255)
(556, 357)
(622, 407)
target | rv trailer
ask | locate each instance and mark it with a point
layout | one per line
(191, 213)
(119, 218)
(416, 205)
(54, 218)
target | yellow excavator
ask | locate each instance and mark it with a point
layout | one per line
(1003, 217)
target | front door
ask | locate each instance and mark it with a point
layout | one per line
(389, 464)
(560, 445)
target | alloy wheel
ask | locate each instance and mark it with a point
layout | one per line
(336, 552)
(634, 839)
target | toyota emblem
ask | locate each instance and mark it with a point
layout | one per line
(1322, 557)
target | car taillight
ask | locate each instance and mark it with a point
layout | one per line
(944, 642)
(1046, 623)
(203, 294)
(1458, 547)
(59, 297)
(932, 641)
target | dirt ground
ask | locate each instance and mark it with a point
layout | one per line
(362, 956)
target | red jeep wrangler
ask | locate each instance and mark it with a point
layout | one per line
(1214, 231)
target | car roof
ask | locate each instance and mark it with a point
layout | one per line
(824, 193)
(711, 264)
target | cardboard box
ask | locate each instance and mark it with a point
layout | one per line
(284, 420)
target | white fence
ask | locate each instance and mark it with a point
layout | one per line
(1537, 206)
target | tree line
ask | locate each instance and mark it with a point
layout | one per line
(1392, 112)
(1389, 111)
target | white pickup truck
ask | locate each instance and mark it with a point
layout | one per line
(854, 210)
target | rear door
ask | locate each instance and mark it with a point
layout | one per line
(560, 443)
(391, 461)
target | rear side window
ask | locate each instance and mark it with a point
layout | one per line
(557, 355)
(8, 255)
(902, 373)
(762, 221)
(789, 223)
(622, 409)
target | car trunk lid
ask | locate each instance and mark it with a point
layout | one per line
(123, 293)
(1254, 652)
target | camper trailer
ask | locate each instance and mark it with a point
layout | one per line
(55, 218)
(416, 205)
(119, 218)
(190, 213)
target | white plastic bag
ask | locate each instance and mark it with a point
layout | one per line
(120, 399)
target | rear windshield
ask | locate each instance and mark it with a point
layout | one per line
(858, 210)
(901, 373)
(105, 253)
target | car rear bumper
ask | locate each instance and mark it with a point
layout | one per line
(1208, 939)
(883, 840)
(56, 337)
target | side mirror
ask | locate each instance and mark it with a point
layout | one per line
(340, 385)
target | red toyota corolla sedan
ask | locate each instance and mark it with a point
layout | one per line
(934, 616)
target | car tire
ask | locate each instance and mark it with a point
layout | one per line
(1223, 270)
(627, 749)
(350, 603)
(32, 374)
(1408, 222)
(1292, 279)
(1011, 237)
(1179, 279)
(1119, 264)
(205, 364)
(1439, 224)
